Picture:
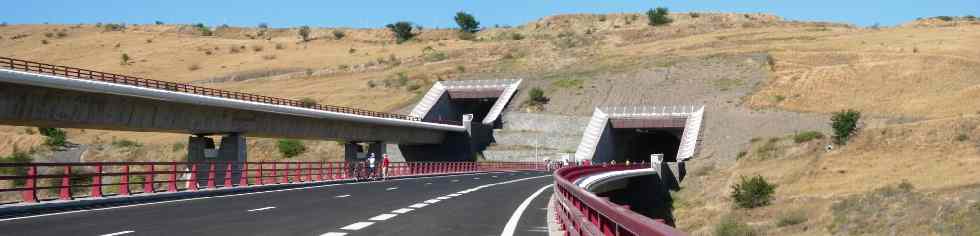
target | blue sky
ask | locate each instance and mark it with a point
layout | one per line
(438, 13)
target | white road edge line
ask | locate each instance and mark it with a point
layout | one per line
(226, 196)
(333, 234)
(382, 217)
(431, 201)
(514, 218)
(262, 209)
(392, 188)
(118, 233)
(357, 226)
(343, 196)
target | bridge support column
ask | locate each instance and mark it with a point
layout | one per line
(201, 151)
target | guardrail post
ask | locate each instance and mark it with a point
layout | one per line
(228, 181)
(30, 195)
(65, 191)
(97, 182)
(211, 184)
(148, 180)
(192, 182)
(172, 185)
(124, 181)
(243, 177)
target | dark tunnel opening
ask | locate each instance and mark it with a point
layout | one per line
(637, 144)
(479, 107)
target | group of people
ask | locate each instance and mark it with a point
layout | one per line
(365, 169)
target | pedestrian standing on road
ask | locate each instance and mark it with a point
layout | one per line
(370, 165)
(384, 167)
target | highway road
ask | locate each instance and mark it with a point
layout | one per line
(473, 204)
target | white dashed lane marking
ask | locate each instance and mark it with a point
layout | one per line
(455, 180)
(454, 195)
(392, 188)
(419, 205)
(261, 209)
(119, 233)
(357, 226)
(443, 198)
(333, 234)
(382, 217)
(343, 196)
(403, 210)
(430, 201)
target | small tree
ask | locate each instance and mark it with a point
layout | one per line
(125, 59)
(263, 25)
(337, 34)
(658, 16)
(290, 148)
(466, 22)
(402, 30)
(752, 192)
(304, 33)
(158, 22)
(308, 102)
(844, 124)
(54, 137)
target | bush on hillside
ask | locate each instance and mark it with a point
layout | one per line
(205, 31)
(467, 23)
(337, 34)
(732, 226)
(844, 124)
(307, 102)
(113, 27)
(402, 30)
(945, 18)
(54, 137)
(537, 97)
(290, 148)
(658, 16)
(126, 143)
(791, 218)
(304, 33)
(158, 22)
(124, 59)
(16, 157)
(752, 192)
(263, 25)
(806, 136)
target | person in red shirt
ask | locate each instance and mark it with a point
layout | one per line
(384, 167)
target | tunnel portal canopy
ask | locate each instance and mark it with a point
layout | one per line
(450, 100)
(633, 133)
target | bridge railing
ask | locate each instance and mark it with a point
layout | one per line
(77, 73)
(581, 212)
(66, 181)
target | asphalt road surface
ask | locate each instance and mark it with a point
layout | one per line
(474, 204)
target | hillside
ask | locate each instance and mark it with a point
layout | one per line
(762, 78)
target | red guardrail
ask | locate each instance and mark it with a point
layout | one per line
(581, 212)
(76, 73)
(65, 180)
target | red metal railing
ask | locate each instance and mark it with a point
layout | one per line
(66, 181)
(76, 73)
(580, 212)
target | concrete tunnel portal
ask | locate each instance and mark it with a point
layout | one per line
(637, 144)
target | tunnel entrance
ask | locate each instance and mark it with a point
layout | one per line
(636, 144)
(479, 107)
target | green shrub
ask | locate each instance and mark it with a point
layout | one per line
(54, 137)
(962, 137)
(337, 34)
(806, 136)
(402, 30)
(307, 102)
(945, 18)
(290, 148)
(205, 31)
(435, 56)
(461, 68)
(112, 27)
(126, 143)
(16, 157)
(516, 36)
(158, 22)
(658, 16)
(752, 192)
(178, 146)
(844, 124)
(466, 36)
(537, 97)
(732, 226)
(791, 218)
(467, 23)
(304, 33)
(263, 25)
(124, 59)
(694, 14)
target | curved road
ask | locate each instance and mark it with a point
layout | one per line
(473, 204)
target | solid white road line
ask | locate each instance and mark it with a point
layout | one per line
(357, 226)
(476, 177)
(454, 195)
(443, 198)
(343, 196)
(428, 183)
(382, 217)
(514, 218)
(392, 188)
(261, 209)
(430, 201)
(333, 234)
(226, 196)
(403, 210)
(119, 233)
(419, 205)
